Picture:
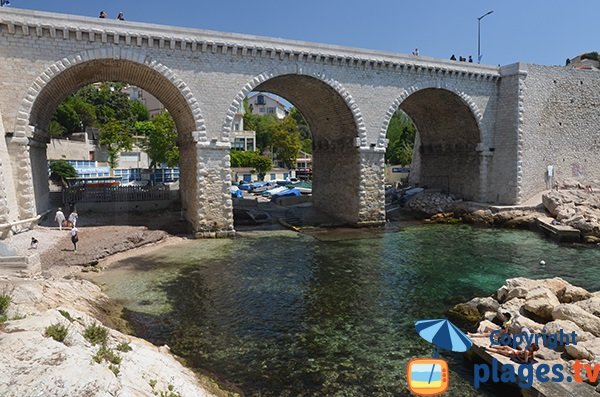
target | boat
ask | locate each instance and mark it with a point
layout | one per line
(275, 190)
(236, 192)
(286, 193)
(304, 187)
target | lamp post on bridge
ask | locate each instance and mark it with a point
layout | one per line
(479, 35)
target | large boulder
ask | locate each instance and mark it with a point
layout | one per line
(541, 302)
(568, 327)
(586, 350)
(591, 305)
(571, 294)
(521, 321)
(586, 321)
(513, 307)
(518, 287)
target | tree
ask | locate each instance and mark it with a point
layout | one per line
(160, 139)
(61, 169)
(139, 111)
(262, 165)
(286, 141)
(116, 137)
(303, 128)
(401, 135)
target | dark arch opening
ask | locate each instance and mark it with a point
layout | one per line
(445, 156)
(336, 160)
(115, 70)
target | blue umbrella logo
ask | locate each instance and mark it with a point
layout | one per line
(444, 335)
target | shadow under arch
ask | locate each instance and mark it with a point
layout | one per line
(446, 152)
(338, 132)
(68, 75)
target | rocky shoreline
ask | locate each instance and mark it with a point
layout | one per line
(570, 205)
(543, 306)
(36, 364)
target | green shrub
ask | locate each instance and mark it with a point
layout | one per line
(124, 347)
(107, 354)
(96, 334)
(66, 315)
(3, 319)
(57, 331)
(4, 303)
(115, 369)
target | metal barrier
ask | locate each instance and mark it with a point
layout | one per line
(104, 194)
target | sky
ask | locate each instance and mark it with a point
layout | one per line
(533, 31)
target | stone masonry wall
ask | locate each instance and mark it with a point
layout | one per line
(561, 126)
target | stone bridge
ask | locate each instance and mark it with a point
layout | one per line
(485, 133)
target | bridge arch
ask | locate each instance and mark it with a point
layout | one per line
(69, 74)
(447, 149)
(337, 127)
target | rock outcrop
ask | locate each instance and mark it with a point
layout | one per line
(34, 364)
(544, 306)
(578, 208)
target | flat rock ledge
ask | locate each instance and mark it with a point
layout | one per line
(35, 365)
(543, 306)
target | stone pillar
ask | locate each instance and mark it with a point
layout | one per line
(39, 167)
(210, 210)
(485, 159)
(18, 147)
(371, 209)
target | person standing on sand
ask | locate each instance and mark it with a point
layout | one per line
(73, 218)
(74, 238)
(60, 218)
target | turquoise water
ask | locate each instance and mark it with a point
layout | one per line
(280, 314)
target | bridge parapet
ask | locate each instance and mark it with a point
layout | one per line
(136, 34)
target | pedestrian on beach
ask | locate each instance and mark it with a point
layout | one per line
(73, 218)
(121, 16)
(60, 218)
(74, 238)
(102, 15)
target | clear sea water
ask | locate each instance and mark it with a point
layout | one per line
(282, 314)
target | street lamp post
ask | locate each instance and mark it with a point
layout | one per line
(479, 35)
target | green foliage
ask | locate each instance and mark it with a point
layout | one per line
(66, 315)
(161, 139)
(264, 126)
(591, 55)
(57, 331)
(116, 136)
(5, 300)
(401, 134)
(152, 383)
(139, 111)
(96, 334)
(303, 129)
(106, 354)
(287, 142)
(68, 118)
(115, 369)
(56, 130)
(124, 347)
(260, 163)
(61, 169)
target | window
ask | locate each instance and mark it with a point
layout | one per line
(130, 156)
(250, 144)
(238, 144)
(260, 100)
(236, 127)
(271, 110)
(261, 110)
(273, 176)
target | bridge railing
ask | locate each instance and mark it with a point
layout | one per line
(104, 194)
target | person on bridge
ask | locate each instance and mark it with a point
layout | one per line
(121, 16)
(102, 15)
(470, 59)
(60, 218)
(453, 57)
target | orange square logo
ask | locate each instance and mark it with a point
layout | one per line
(427, 376)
